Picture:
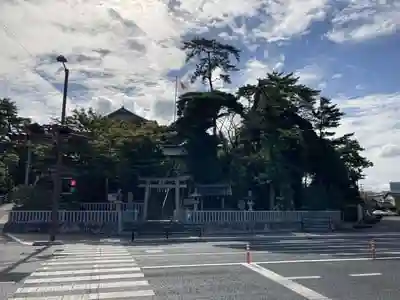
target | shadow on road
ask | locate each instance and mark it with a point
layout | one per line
(7, 274)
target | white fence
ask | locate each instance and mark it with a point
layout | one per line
(109, 206)
(64, 216)
(218, 217)
(194, 217)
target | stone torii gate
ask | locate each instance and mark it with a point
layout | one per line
(163, 183)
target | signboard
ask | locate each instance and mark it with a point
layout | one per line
(112, 197)
(190, 201)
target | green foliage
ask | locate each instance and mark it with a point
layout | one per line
(280, 144)
(327, 116)
(31, 197)
(210, 55)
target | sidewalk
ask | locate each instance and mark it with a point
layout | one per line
(4, 210)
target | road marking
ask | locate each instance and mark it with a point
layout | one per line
(75, 286)
(287, 283)
(18, 240)
(83, 278)
(199, 253)
(86, 271)
(154, 251)
(88, 262)
(96, 296)
(303, 277)
(96, 254)
(96, 266)
(365, 274)
(272, 262)
(66, 278)
(305, 241)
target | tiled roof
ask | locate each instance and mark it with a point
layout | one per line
(124, 111)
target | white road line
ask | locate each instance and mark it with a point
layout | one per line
(200, 253)
(365, 274)
(87, 261)
(272, 262)
(96, 296)
(154, 251)
(319, 247)
(272, 251)
(303, 277)
(74, 250)
(98, 270)
(91, 254)
(96, 266)
(86, 271)
(82, 278)
(287, 283)
(74, 287)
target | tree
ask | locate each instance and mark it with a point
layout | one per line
(211, 55)
(196, 114)
(12, 144)
(327, 116)
(350, 150)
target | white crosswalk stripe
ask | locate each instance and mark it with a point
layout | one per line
(87, 272)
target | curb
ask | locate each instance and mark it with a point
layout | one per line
(18, 240)
(47, 243)
(34, 243)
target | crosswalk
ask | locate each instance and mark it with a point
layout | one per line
(87, 272)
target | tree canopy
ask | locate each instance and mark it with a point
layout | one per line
(281, 142)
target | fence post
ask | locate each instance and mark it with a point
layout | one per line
(119, 209)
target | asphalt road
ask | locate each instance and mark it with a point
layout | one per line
(313, 267)
(16, 263)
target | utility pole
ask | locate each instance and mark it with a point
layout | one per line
(175, 97)
(28, 160)
(58, 147)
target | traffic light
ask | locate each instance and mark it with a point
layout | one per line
(72, 185)
(68, 186)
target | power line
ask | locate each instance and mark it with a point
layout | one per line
(13, 37)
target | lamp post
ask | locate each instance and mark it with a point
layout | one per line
(57, 172)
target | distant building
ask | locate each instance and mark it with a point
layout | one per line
(394, 187)
(123, 114)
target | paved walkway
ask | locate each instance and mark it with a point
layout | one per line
(87, 272)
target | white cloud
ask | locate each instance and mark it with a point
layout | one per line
(365, 19)
(285, 19)
(374, 119)
(337, 76)
(121, 51)
(311, 75)
(256, 69)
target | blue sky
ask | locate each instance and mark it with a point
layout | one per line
(124, 52)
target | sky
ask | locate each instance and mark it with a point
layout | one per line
(127, 52)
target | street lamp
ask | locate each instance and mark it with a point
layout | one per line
(57, 173)
(63, 60)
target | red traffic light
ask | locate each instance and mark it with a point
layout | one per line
(73, 182)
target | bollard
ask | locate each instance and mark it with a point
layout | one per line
(248, 254)
(372, 248)
(167, 233)
(133, 236)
